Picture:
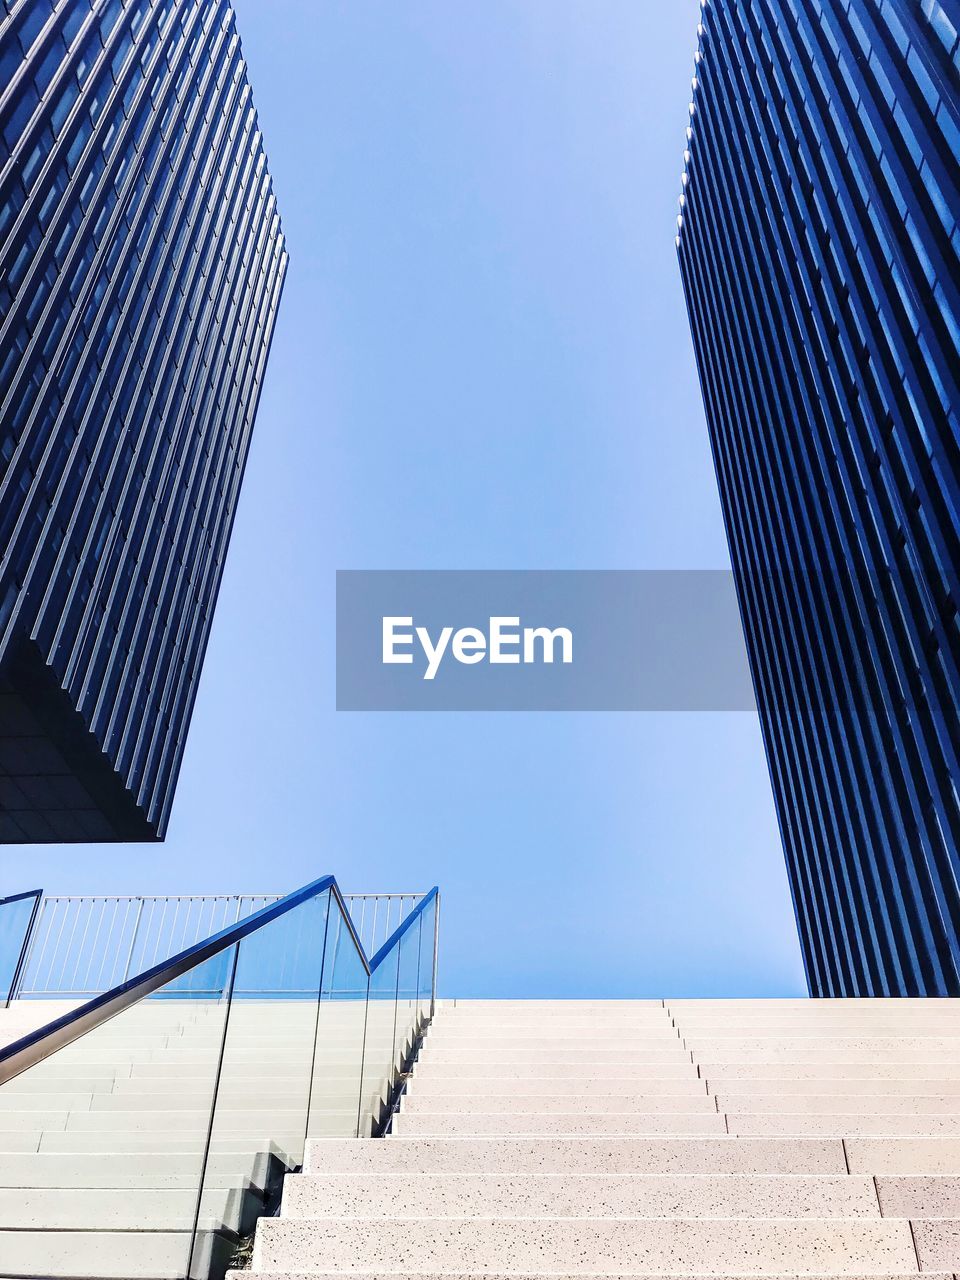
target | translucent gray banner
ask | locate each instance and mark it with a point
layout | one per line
(530, 640)
(540, 640)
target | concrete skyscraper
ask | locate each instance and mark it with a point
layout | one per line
(819, 251)
(141, 265)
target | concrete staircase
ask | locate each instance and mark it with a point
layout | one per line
(101, 1145)
(683, 1138)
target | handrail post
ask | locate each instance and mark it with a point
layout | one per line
(133, 940)
(436, 954)
(25, 947)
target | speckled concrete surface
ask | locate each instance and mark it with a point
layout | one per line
(577, 1155)
(825, 1044)
(847, 1124)
(938, 1244)
(677, 1068)
(919, 1197)
(903, 1155)
(575, 1085)
(498, 1275)
(546, 1100)
(603, 1038)
(902, 1058)
(448, 1028)
(565, 1124)
(703, 1195)
(758, 1087)
(649, 1051)
(851, 1103)
(873, 1071)
(716, 1246)
(830, 1125)
(534, 1089)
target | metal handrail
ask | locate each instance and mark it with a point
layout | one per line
(398, 933)
(40, 1044)
(36, 895)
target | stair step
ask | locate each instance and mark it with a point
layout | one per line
(853, 1103)
(819, 1071)
(712, 1246)
(156, 1143)
(680, 1068)
(549, 1008)
(654, 1023)
(938, 1244)
(757, 1087)
(107, 1255)
(121, 1169)
(634, 1195)
(88, 1209)
(627, 1121)
(780, 1045)
(612, 1155)
(382, 1274)
(583, 1041)
(919, 1197)
(486, 1089)
(843, 1124)
(863, 1057)
(546, 1101)
(902, 1155)
(585, 1054)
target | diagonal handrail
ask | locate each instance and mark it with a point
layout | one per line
(405, 924)
(41, 1043)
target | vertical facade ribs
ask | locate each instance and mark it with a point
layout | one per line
(142, 261)
(818, 247)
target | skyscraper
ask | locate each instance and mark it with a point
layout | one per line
(141, 264)
(819, 251)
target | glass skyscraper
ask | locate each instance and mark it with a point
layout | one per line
(141, 265)
(819, 249)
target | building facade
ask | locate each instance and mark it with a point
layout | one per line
(141, 265)
(819, 247)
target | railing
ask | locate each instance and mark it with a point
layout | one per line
(276, 1029)
(76, 947)
(18, 915)
(376, 915)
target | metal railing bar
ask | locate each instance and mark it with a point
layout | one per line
(373, 924)
(133, 939)
(156, 945)
(436, 956)
(93, 949)
(49, 910)
(73, 931)
(62, 914)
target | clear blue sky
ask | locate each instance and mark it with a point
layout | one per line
(482, 361)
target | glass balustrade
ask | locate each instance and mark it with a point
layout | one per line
(207, 1076)
(17, 914)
